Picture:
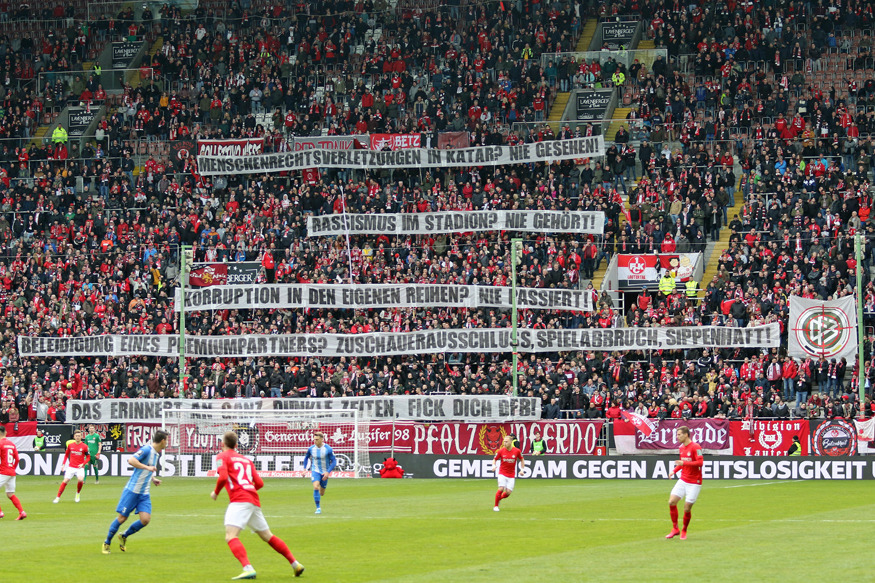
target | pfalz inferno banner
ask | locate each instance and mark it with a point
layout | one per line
(711, 434)
(403, 407)
(225, 274)
(641, 468)
(395, 343)
(564, 438)
(554, 150)
(585, 222)
(238, 147)
(378, 296)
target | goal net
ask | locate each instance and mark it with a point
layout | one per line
(276, 440)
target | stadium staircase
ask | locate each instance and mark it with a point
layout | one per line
(618, 120)
(557, 109)
(713, 259)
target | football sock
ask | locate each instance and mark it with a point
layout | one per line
(498, 497)
(687, 516)
(79, 486)
(673, 510)
(504, 495)
(113, 528)
(61, 489)
(282, 548)
(16, 503)
(135, 528)
(317, 497)
(239, 551)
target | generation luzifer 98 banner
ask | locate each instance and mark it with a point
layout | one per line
(396, 343)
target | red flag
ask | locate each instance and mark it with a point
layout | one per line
(641, 423)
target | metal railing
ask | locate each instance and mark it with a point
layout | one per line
(627, 57)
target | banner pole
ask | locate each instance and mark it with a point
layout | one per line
(515, 246)
(861, 353)
(184, 267)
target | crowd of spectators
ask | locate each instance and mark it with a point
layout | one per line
(106, 261)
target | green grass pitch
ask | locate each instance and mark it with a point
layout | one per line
(445, 530)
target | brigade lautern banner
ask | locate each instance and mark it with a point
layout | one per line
(549, 151)
(375, 296)
(394, 343)
(585, 222)
(409, 407)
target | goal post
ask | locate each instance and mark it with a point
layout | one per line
(276, 440)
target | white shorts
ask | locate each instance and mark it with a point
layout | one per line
(689, 492)
(243, 514)
(79, 473)
(505, 482)
(9, 482)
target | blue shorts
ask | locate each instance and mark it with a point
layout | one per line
(133, 502)
(317, 477)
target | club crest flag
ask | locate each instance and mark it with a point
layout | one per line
(822, 329)
(641, 423)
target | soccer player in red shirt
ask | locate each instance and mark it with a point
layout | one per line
(237, 474)
(76, 456)
(505, 461)
(8, 463)
(690, 466)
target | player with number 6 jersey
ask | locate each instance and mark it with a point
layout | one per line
(238, 476)
(8, 464)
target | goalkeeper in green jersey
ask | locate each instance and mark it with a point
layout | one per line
(93, 442)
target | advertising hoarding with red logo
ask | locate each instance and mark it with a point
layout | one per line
(644, 270)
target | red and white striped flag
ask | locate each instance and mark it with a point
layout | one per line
(641, 423)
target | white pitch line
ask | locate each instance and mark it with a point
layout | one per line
(758, 484)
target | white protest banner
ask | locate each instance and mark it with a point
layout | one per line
(822, 329)
(586, 222)
(382, 295)
(410, 407)
(549, 151)
(462, 340)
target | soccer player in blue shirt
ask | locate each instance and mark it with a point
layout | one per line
(135, 496)
(322, 462)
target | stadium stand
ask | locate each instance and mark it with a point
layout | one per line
(752, 143)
